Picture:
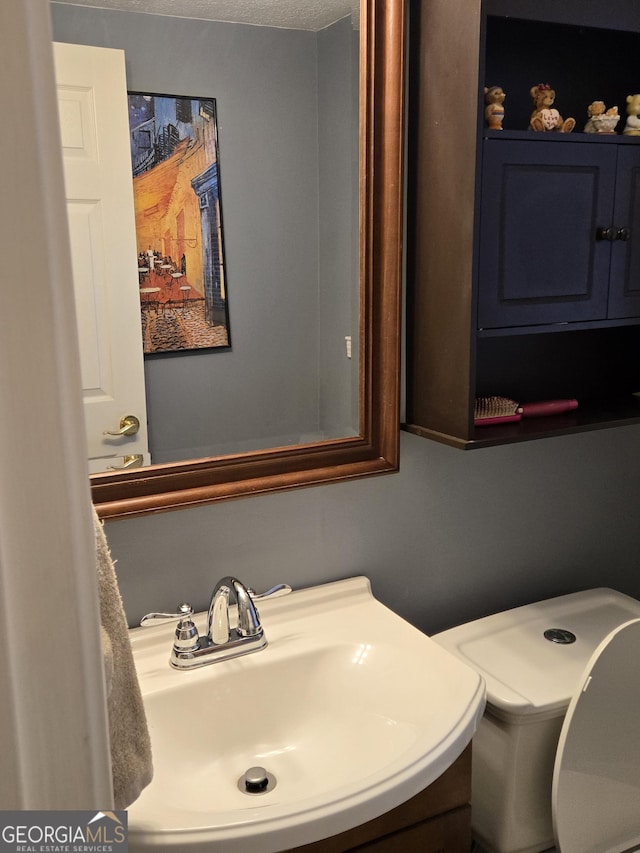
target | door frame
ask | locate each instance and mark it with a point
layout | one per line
(53, 720)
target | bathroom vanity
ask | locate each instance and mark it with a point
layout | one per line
(437, 820)
(349, 730)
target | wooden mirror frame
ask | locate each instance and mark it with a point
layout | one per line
(376, 449)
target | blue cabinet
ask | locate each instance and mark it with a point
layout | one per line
(559, 232)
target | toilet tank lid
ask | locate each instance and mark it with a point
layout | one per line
(526, 674)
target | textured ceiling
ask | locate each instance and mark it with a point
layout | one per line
(293, 14)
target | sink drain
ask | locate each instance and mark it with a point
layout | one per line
(256, 780)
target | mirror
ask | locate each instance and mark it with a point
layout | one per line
(371, 446)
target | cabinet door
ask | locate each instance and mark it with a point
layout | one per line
(624, 285)
(541, 206)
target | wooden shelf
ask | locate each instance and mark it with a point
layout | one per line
(593, 416)
(591, 355)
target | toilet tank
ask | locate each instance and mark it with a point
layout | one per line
(531, 659)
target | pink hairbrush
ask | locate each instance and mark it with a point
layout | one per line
(501, 410)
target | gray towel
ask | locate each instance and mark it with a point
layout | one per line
(130, 743)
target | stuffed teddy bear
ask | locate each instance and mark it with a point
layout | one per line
(544, 116)
(494, 111)
(632, 127)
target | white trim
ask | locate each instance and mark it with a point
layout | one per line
(53, 724)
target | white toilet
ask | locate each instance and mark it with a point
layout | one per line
(556, 757)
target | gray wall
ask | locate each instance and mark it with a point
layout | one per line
(275, 203)
(453, 536)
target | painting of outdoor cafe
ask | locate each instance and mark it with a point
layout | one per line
(176, 186)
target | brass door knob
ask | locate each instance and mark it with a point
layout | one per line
(133, 461)
(129, 425)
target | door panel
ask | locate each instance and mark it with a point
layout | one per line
(624, 287)
(542, 204)
(92, 102)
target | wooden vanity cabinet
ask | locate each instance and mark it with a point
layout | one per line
(437, 820)
(523, 267)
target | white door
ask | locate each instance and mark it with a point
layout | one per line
(92, 103)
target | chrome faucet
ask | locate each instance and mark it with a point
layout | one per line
(221, 641)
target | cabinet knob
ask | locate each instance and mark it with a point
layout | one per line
(612, 234)
(605, 233)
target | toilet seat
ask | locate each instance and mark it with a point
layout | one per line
(596, 779)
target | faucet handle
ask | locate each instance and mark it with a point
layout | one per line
(186, 638)
(274, 592)
(185, 611)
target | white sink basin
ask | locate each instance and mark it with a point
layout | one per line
(349, 708)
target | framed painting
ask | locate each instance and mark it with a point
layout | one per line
(178, 211)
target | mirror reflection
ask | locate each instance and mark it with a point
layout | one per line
(287, 110)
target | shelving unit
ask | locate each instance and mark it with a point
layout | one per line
(512, 288)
